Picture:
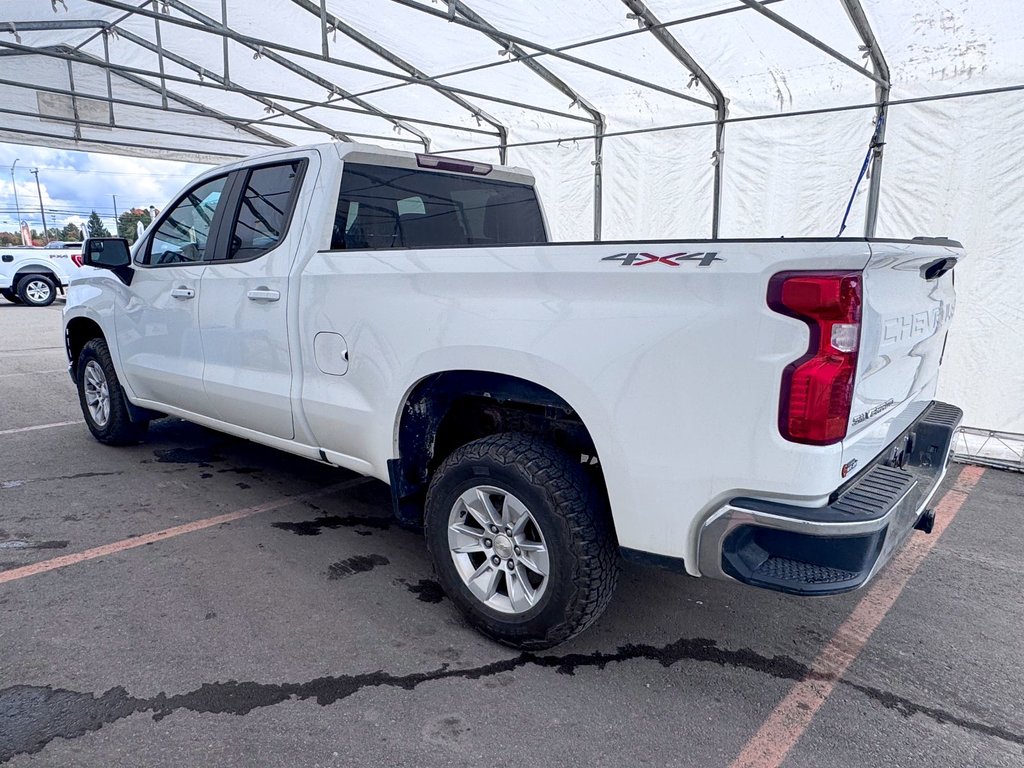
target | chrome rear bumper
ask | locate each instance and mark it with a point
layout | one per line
(841, 546)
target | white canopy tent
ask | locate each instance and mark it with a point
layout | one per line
(640, 118)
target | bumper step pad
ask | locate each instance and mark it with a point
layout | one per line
(837, 547)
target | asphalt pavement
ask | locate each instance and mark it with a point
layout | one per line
(291, 623)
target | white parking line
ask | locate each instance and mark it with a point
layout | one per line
(40, 426)
(24, 352)
(33, 373)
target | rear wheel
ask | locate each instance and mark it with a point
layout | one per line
(10, 295)
(521, 540)
(102, 398)
(37, 290)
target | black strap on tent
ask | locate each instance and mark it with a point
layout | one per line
(875, 144)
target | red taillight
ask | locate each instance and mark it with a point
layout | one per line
(817, 389)
(77, 258)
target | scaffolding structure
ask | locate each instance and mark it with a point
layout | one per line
(415, 129)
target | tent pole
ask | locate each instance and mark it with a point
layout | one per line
(131, 146)
(160, 55)
(188, 64)
(110, 85)
(86, 58)
(860, 22)
(804, 35)
(719, 161)
(669, 42)
(206, 21)
(242, 123)
(323, 30)
(269, 45)
(506, 39)
(74, 102)
(597, 118)
(598, 173)
(224, 21)
(213, 82)
(393, 58)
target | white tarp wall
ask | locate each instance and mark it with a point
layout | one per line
(951, 167)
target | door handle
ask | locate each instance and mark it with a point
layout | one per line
(181, 292)
(263, 294)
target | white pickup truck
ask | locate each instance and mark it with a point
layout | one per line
(753, 410)
(33, 276)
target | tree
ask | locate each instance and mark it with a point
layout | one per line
(127, 223)
(96, 227)
(54, 233)
(10, 238)
(71, 233)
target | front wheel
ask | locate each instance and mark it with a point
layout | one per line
(37, 290)
(102, 398)
(521, 540)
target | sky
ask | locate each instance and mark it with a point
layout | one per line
(75, 183)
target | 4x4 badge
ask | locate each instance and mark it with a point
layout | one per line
(672, 259)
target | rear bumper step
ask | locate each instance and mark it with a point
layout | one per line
(838, 547)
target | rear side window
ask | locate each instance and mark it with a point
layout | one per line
(264, 210)
(404, 208)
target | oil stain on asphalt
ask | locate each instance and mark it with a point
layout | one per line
(203, 456)
(426, 590)
(332, 522)
(353, 565)
(33, 716)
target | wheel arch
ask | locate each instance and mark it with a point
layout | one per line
(37, 268)
(446, 409)
(79, 331)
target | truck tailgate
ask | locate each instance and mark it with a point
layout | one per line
(909, 302)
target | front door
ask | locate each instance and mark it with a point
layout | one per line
(158, 327)
(243, 309)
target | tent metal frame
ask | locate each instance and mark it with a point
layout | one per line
(549, 77)
(646, 17)
(518, 49)
(329, 19)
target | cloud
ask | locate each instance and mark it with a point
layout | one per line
(75, 183)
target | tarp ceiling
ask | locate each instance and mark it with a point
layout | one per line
(206, 80)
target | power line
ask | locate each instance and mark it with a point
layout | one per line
(91, 171)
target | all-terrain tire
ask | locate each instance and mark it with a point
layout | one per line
(572, 514)
(95, 370)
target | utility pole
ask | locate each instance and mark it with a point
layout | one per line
(115, 215)
(17, 207)
(42, 213)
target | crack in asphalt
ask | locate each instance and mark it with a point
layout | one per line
(33, 716)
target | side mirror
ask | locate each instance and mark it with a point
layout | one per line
(110, 253)
(106, 253)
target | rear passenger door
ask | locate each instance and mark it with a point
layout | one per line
(243, 310)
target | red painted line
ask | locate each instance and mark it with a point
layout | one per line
(789, 720)
(169, 533)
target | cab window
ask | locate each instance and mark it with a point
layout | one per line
(184, 232)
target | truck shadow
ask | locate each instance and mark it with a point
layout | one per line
(650, 605)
